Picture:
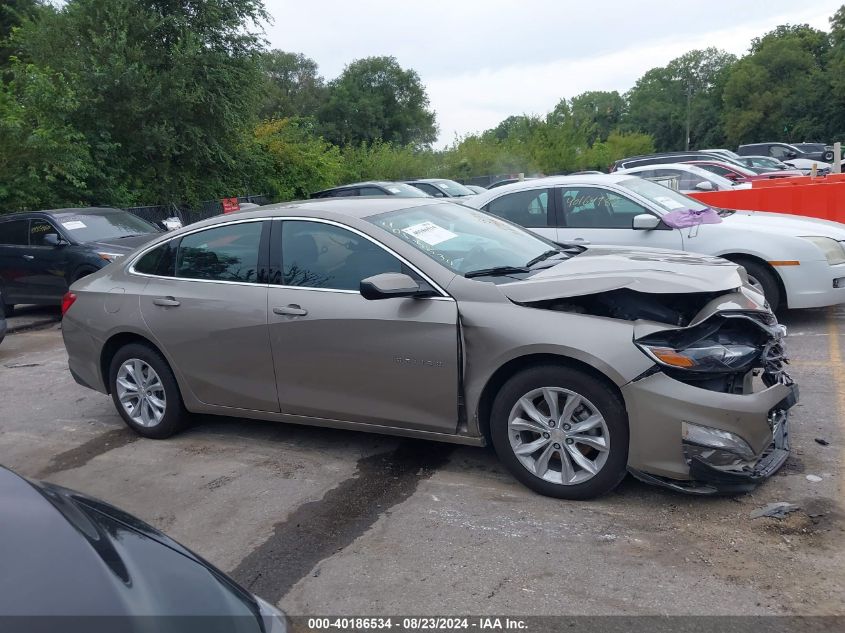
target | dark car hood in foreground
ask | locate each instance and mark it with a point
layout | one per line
(604, 268)
(66, 554)
(123, 245)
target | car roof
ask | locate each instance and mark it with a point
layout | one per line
(552, 181)
(432, 180)
(62, 212)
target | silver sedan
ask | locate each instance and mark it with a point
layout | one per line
(426, 319)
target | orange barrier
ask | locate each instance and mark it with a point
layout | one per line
(822, 197)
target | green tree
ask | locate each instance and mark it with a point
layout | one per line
(13, 13)
(780, 90)
(836, 77)
(294, 86)
(44, 161)
(686, 92)
(293, 160)
(598, 111)
(375, 99)
(165, 91)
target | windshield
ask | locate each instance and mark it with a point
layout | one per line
(453, 188)
(468, 241)
(404, 190)
(662, 197)
(108, 226)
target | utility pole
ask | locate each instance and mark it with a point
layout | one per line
(689, 99)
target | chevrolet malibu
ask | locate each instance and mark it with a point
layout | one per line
(423, 318)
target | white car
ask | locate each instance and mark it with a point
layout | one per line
(797, 262)
(806, 165)
(684, 177)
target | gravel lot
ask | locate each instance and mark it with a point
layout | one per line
(333, 522)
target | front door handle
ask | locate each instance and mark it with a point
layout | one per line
(167, 302)
(290, 310)
(28, 258)
(581, 240)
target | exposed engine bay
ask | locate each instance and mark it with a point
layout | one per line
(722, 352)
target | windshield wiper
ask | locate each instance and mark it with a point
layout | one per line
(543, 256)
(496, 270)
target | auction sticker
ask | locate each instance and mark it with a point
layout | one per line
(73, 224)
(429, 232)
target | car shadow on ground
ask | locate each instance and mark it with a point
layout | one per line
(477, 466)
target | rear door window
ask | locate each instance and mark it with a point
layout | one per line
(14, 233)
(226, 253)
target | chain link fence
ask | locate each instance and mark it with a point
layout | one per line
(189, 215)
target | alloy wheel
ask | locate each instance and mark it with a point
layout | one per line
(558, 435)
(141, 392)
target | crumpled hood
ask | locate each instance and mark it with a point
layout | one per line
(784, 224)
(604, 268)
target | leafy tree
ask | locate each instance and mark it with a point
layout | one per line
(780, 89)
(836, 77)
(13, 13)
(165, 91)
(375, 99)
(294, 161)
(599, 111)
(687, 90)
(293, 85)
(44, 161)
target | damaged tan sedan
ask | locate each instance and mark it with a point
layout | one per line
(431, 320)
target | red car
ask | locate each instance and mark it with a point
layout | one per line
(741, 174)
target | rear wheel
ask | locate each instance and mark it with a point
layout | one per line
(145, 392)
(561, 432)
(827, 156)
(764, 280)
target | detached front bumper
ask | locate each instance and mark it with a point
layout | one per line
(659, 407)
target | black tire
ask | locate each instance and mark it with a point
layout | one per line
(827, 156)
(766, 278)
(599, 394)
(175, 415)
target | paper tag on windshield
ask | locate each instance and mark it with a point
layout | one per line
(429, 233)
(668, 202)
(73, 224)
(394, 189)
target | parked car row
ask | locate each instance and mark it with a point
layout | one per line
(420, 188)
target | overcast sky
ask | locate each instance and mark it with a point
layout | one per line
(484, 60)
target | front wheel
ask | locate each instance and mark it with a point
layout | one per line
(145, 392)
(561, 432)
(762, 279)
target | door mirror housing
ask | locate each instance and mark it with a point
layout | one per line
(791, 154)
(645, 222)
(392, 285)
(704, 185)
(54, 240)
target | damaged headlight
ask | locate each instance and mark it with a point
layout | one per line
(834, 252)
(707, 358)
(722, 441)
(721, 345)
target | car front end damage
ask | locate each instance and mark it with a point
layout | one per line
(712, 413)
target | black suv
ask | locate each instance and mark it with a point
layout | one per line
(785, 151)
(372, 188)
(43, 252)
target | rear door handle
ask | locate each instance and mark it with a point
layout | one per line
(167, 302)
(290, 310)
(28, 258)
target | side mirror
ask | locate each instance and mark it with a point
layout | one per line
(704, 185)
(51, 239)
(645, 222)
(791, 154)
(391, 285)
